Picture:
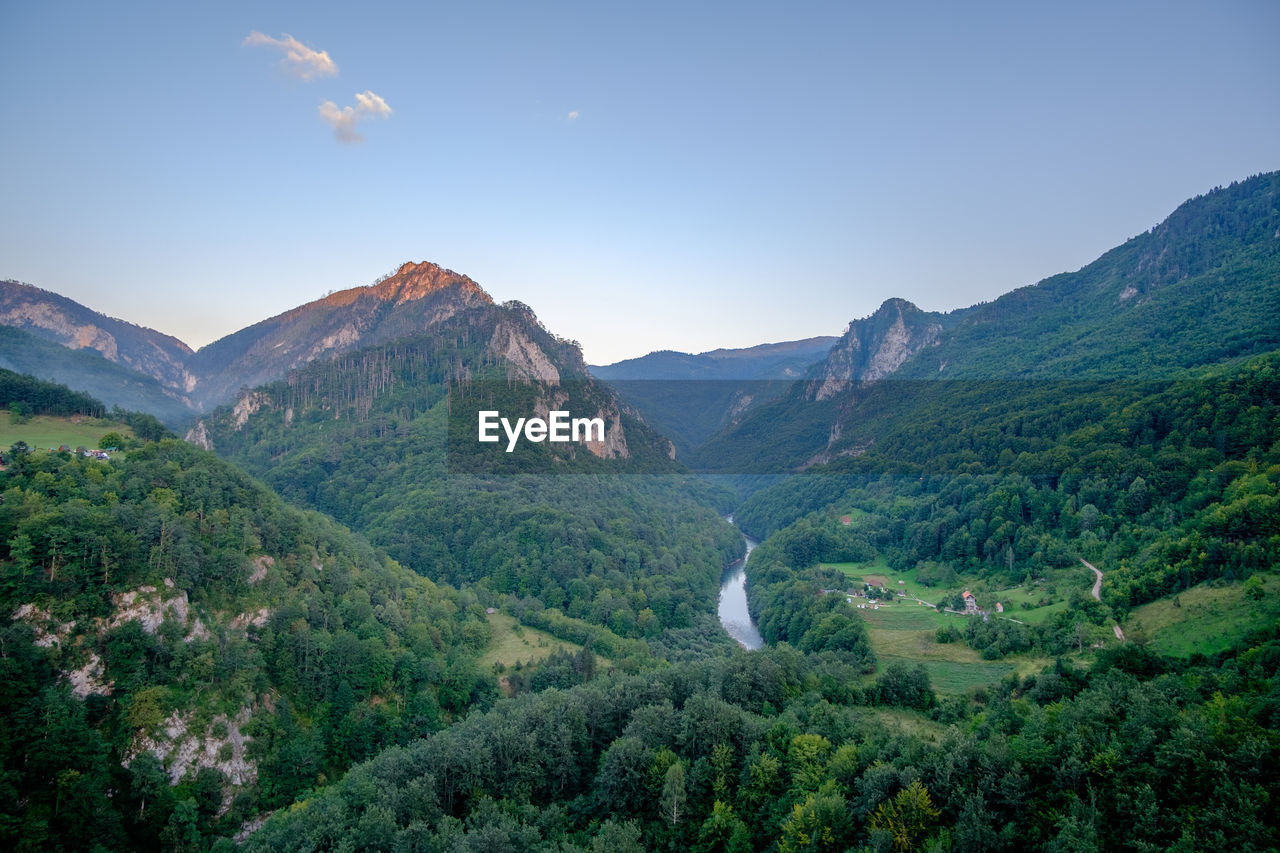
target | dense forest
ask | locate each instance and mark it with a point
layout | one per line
(165, 596)
(1168, 484)
(774, 750)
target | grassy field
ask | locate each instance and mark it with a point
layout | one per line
(1205, 618)
(905, 633)
(513, 642)
(1063, 582)
(907, 722)
(953, 677)
(874, 571)
(1033, 595)
(42, 432)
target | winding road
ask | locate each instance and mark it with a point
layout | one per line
(1097, 584)
(1097, 593)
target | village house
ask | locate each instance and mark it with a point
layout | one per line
(970, 603)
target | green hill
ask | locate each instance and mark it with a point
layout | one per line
(181, 650)
(1201, 288)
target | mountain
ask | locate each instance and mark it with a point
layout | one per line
(63, 321)
(408, 344)
(88, 371)
(690, 397)
(385, 439)
(787, 360)
(57, 339)
(1201, 288)
(413, 299)
(874, 347)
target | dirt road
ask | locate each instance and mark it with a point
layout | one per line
(1097, 594)
(1097, 584)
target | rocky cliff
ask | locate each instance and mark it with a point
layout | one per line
(874, 347)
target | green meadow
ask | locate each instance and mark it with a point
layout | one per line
(904, 633)
(1205, 619)
(42, 432)
(512, 643)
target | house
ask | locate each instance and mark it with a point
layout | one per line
(999, 607)
(846, 520)
(970, 603)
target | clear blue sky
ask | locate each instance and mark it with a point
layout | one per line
(652, 175)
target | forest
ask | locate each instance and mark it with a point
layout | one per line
(1167, 484)
(336, 651)
(376, 439)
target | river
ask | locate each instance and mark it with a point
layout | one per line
(734, 615)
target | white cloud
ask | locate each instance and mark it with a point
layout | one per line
(299, 60)
(573, 115)
(343, 119)
(368, 103)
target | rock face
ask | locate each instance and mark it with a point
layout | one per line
(874, 347)
(526, 359)
(71, 324)
(199, 436)
(220, 745)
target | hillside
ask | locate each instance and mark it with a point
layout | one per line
(88, 371)
(385, 440)
(63, 321)
(182, 650)
(1201, 288)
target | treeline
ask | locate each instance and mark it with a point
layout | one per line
(324, 650)
(144, 426)
(25, 395)
(770, 750)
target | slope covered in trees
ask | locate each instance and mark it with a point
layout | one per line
(88, 372)
(1167, 484)
(1201, 288)
(164, 605)
(773, 750)
(384, 440)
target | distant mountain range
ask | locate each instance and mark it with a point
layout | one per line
(691, 397)
(787, 360)
(1200, 288)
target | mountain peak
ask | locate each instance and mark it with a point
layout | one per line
(416, 280)
(876, 346)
